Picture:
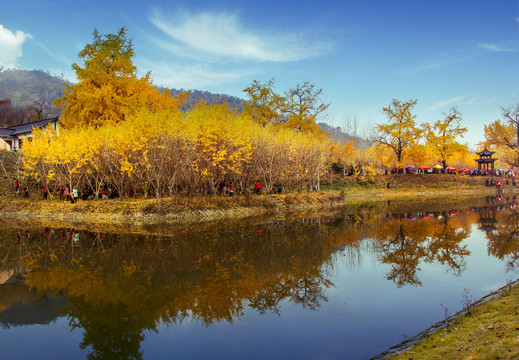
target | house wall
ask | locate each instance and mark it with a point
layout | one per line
(17, 143)
(23, 139)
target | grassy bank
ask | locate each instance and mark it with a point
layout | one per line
(136, 215)
(135, 212)
(487, 329)
(337, 191)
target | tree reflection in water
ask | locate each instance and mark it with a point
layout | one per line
(503, 240)
(119, 286)
(404, 244)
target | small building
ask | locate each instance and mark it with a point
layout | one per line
(485, 161)
(16, 135)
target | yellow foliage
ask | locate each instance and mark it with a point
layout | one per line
(121, 131)
(108, 90)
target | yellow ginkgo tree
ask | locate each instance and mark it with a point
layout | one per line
(400, 131)
(443, 136)
(503, 136)
(108, 90)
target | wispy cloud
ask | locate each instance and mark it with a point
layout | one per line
(61, 59)
(447, 103)
(11, 44)
(222, 36)
(433, 64)
(439, 61)
(496, 48)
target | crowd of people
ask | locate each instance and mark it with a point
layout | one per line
(66, 193)
(498, 183)
(452, 171)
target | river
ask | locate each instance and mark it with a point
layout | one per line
(347, 283)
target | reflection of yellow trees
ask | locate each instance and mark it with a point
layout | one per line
(504, 240)
(119, 287)
(402, 246)
(405, 244)
(445, 246)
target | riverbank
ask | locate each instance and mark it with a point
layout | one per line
(485, 329)
(187, 209)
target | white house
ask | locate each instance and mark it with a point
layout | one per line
(15, 136)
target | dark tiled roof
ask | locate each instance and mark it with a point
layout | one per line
(485, 152)
(26, 128)
(6, 132)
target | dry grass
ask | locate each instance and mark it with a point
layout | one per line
(490, 332)
(343, 189)
(131, 205)
(405, 182)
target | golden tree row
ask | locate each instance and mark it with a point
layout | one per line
(167, 152)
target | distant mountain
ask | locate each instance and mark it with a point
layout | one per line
(341, 137)
(210, 98)
(26, 86)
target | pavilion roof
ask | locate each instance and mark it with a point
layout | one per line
(485, 152)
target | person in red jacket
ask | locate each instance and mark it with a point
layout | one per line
(257, 187)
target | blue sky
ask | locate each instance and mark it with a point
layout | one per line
(363, 54)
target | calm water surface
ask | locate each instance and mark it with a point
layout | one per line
(343, 285)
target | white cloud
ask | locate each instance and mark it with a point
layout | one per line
(11, 45)
(221, 36)
(455, 101)
(496, 48)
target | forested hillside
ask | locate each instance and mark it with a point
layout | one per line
(210, 98)
(28, 95)
(24, 87)
(342, 137)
